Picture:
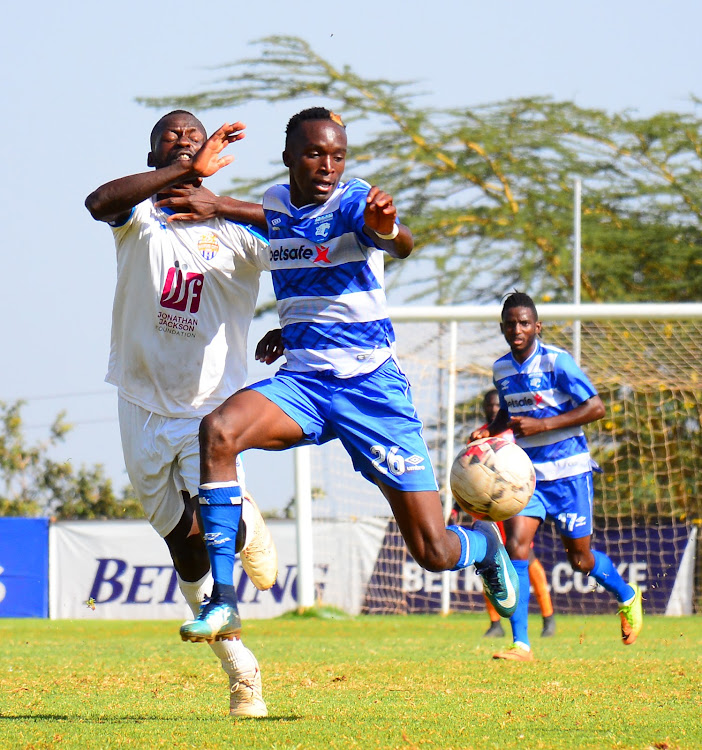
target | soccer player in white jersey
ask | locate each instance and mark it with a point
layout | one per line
(545, 398)
(185, 296)
(341, 378)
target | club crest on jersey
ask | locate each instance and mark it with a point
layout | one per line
(322, 230)
(208, 245)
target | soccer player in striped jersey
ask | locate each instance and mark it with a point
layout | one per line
(341, 378)
(545, 398)
(537, 574)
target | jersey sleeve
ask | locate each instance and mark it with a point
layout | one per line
(572, 380)
(253, 242)
(138, 216)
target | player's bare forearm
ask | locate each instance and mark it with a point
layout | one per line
(200, 204)
(242, 211)
(116, 198)
(400, 247)
(589, 411)
(380, 225)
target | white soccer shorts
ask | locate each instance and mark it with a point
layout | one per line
(162, 459)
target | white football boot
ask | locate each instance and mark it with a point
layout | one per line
(258, 554)
(245, 692)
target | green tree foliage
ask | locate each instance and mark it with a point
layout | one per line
(488, 190)
(34, 484)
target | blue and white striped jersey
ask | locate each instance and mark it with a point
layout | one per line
(328, 278)
(546, 384)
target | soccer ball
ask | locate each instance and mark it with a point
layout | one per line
(492, 477)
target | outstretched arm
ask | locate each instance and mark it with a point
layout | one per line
(379, 217)
(200, 204)
(114, 200)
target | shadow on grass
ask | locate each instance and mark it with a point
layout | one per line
(122, 719)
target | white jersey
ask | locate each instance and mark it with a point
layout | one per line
(185, 296)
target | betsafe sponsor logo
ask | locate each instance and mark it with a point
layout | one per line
(514, 402)
(317, 254)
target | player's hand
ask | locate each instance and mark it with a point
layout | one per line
(380, 213)
(207, 161)
(478, 434)
(526, 426)
(190, 203)
(270, 347)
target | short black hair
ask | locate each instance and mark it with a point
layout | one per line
(519, 299)
(158, 127)
(312, 113)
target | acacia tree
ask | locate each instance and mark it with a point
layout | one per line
(487, 190)
(34, 484)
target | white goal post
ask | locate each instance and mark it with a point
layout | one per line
(433, 352)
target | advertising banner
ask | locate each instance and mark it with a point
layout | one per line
(122, 570)
(24, 567)
(654, 557)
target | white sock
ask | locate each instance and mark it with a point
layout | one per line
(523, 646)
(196, 591)
(236, 659)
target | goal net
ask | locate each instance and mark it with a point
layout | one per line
(648, 498)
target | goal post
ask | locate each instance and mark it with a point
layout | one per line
(645, 359)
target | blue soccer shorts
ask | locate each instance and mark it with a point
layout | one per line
(568, 502)
(372, 415)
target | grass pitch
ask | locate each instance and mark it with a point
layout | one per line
(367, 682)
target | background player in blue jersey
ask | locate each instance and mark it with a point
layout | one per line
(341, 378)
(537, 574)
(545, 398)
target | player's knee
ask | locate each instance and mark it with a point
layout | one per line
(518, 550)
(581, 563)
(189, 555)
(218, 438)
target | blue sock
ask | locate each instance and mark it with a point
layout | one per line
(608, 577)
(473, 546)
(519, 620)
(220, 512)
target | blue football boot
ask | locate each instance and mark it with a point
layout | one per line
(216, 621)
(500, 581)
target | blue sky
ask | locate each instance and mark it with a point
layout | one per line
(71, 73)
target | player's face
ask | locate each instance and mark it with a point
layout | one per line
(315, 158)
(491, 406)
(180, 138)
(520, 329)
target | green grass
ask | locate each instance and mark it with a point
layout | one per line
(371, 682)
